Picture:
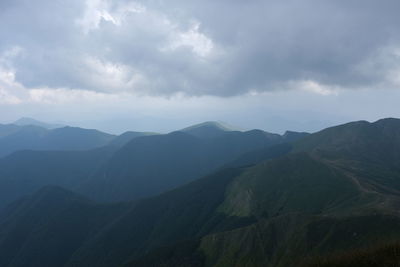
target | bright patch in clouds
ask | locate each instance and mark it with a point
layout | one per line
(107, 10)
(314, 87)
(7, 98)
(113, 77)
(193, 38)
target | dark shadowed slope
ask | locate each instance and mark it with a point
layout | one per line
(181, 214)
(378, 255)
(23, 172)
(45, 229)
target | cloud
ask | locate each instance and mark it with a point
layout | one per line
(221, 48)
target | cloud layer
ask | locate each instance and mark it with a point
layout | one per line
(220, 48)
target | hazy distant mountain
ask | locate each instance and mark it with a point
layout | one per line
(22, 138)
(208, 129)
(74, 138)
(29, 121)
(7, 129)
(14, 138)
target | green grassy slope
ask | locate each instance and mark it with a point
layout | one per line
(293, 183)
(337, 190)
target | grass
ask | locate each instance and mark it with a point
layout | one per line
(383, 255)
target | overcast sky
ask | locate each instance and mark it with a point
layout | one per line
(158, 65)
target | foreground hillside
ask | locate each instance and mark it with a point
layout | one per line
(303, 203)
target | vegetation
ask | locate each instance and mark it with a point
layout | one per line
(327, 199)
(383, 255)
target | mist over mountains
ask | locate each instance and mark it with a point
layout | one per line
(205, 195)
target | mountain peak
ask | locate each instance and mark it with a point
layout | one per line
(216, 124)
(292, 135)
(208, 129)
(388, 121)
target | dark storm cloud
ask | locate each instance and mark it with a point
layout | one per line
(200, 47)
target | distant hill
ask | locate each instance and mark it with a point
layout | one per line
(14, 138)
(74, 138)
(29, 121)
(46, 229)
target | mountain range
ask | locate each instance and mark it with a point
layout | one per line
(212, 197)
(127, 167)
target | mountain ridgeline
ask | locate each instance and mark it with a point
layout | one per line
(121, 168)
(209, 198)
(150, 165)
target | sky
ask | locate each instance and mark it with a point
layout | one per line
(158, 65)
